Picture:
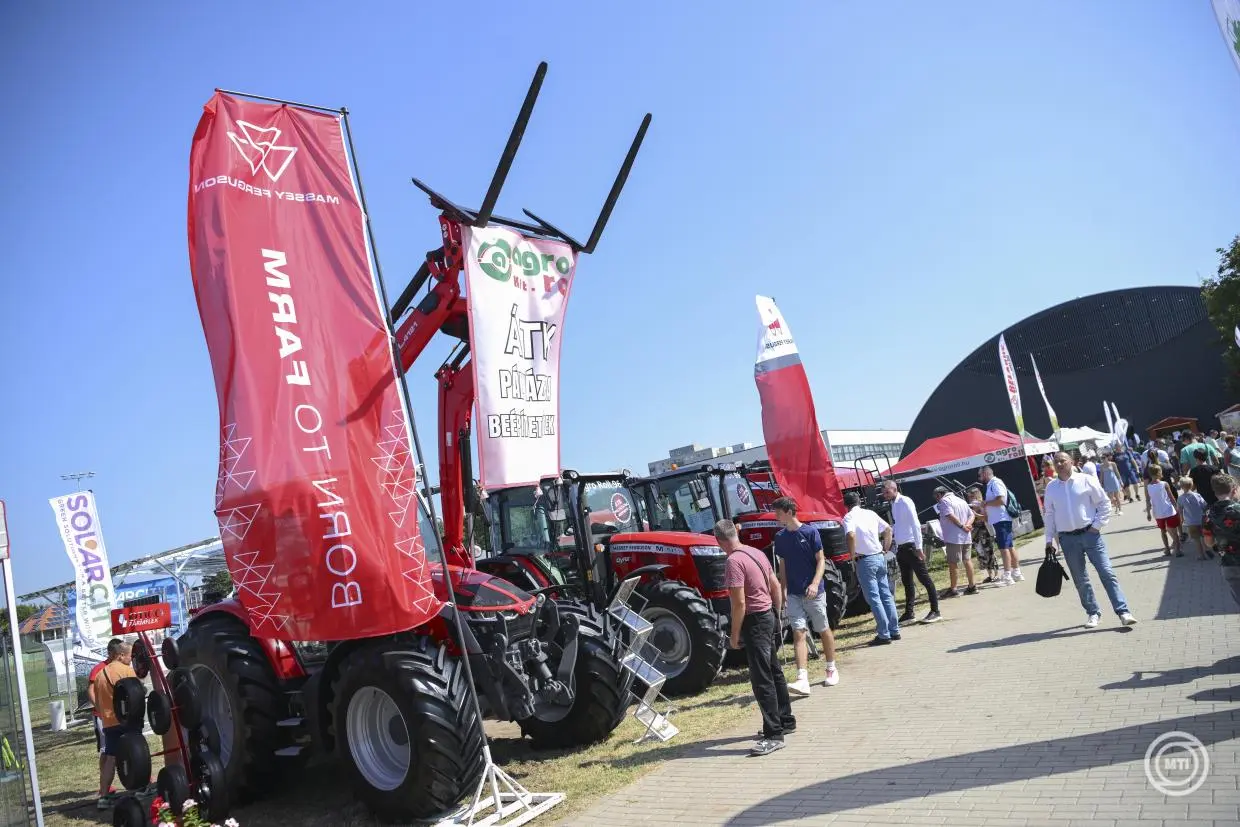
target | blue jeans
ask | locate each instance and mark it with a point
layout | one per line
(1076, 547)
(872, 574)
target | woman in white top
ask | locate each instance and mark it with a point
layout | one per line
(1160, 502)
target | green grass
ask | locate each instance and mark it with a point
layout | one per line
(319, 796)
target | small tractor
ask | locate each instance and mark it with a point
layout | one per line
(398, 710)
(583, 534)
(692, 499)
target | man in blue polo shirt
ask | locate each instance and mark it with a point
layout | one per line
(801, 565)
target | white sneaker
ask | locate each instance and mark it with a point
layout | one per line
(1003, 580)
(1092, 621)
(833, 676)
(1017, 576)
(1127, 619)
(800, 689)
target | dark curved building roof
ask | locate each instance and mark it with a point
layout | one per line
(1150, 350)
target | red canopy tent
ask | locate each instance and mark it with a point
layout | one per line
(971, 448)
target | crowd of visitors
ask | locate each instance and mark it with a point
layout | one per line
(1190, 484)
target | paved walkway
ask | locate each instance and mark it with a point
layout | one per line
(1007, 713)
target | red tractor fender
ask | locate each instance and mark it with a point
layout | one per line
(279, 653)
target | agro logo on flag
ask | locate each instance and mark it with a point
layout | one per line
(78, 523)
(1013, 388)
(315, 493)
(518, 292)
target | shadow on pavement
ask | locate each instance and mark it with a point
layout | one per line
(1193, 588)
(1174, 677)
(699, 749)
(1034, 637)
(984, 768)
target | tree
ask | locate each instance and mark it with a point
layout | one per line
(1222, 296)
(220, 582)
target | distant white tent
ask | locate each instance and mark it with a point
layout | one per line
(1071, 437)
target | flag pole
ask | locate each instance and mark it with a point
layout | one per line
(488, 791)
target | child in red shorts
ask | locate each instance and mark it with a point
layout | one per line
(1160, 504)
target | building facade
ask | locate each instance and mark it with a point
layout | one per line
(866, 449)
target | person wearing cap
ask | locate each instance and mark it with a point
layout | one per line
(956, 525)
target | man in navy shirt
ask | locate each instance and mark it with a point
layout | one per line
(801, 564)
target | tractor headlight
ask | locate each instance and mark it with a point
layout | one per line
(706, 551)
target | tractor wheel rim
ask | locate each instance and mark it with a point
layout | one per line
(216, 707)
(378, 738)
(670, 638)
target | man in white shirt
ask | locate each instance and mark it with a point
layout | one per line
(869, 537)
(1090, 467)
(1075, 509)
(910, 553)
(956, 526)
(996, 496)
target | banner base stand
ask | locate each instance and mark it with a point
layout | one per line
(499, 801)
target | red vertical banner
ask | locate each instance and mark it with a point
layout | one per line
(315, 494)
(794, 445)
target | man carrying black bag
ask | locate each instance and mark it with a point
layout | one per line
(1075, 510)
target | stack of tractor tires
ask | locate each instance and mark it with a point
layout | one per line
(600, 690)
(180, 707)
(687, 635)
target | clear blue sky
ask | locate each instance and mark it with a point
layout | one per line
(906, 178)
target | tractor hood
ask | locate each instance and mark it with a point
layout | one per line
(767, 520)
(477, 591)
(677, 539)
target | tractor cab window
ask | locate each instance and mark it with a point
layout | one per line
(430, 538)
(524, 520)
(736, 488)
(612, 509)
(683, 505)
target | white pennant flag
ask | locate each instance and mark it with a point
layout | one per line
(1228, 14)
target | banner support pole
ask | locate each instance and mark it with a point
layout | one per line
(24, 698)
(492, 775)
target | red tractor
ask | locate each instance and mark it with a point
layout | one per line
(584, 534)
(397, 710)
(692, 499)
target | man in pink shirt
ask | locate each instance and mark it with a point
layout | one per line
(756, 605)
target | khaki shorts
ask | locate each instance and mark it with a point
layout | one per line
(958, 551)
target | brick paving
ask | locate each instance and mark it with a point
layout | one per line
(1008, 712)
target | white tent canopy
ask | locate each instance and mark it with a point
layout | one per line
(1075, 436)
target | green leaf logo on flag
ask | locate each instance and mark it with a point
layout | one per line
(1235, 35)
(495, 259)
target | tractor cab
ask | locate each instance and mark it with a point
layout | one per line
(587, 534)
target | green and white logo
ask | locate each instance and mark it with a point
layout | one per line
(495, 259)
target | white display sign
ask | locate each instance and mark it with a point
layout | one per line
(518, 292)
(78, 523)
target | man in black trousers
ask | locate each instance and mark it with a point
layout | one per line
(757, 601)
(906, 531)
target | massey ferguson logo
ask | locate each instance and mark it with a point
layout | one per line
(260, 148)
(775, 325)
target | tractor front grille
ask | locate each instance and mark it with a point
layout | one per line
(711, 572)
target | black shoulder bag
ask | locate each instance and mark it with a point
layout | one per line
(1051, 575)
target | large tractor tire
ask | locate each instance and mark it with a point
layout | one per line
(600, 697)
(686, 635)
(239, 694)
(406, 729)
(837, 594)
